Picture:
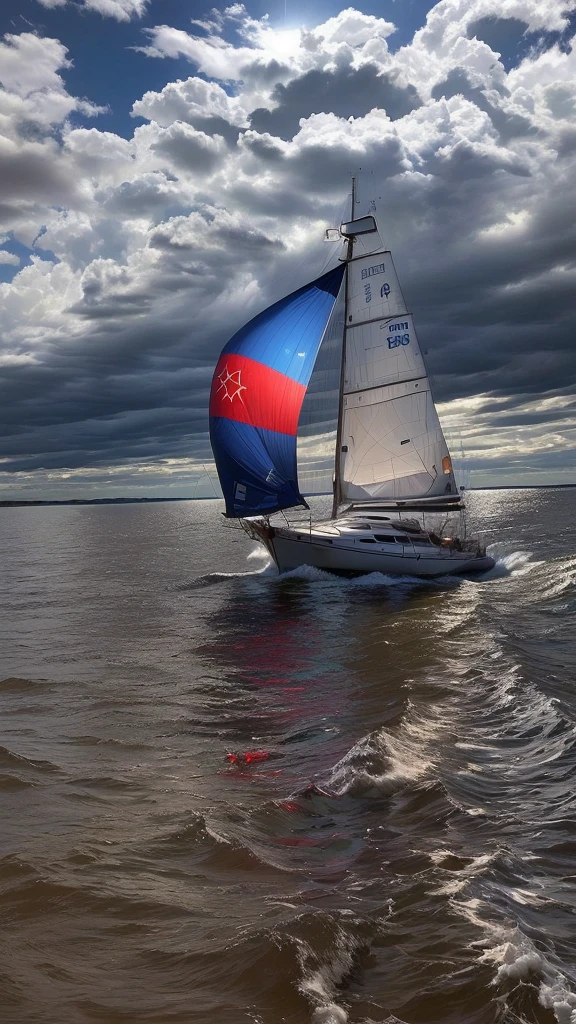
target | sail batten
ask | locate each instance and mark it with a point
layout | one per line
(257, 392)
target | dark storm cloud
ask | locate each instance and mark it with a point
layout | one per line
(508, 125)
(134, 387)
(11, 213)
(265, 73)
(512, 38)
(501, 34)
(32, 171)
(188, 149)
(546, 416)
(218, 126)
(140, 198)
(466, 161)
(346, 92)
(117, 405)
(263, 146)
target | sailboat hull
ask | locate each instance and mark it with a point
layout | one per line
(291, 549)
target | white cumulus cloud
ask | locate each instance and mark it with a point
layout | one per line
(9, 258)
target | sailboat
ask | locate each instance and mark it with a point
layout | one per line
(393, 475)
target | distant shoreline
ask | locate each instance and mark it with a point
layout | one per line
(147, 501)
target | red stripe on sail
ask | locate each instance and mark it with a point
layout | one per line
(249, 392)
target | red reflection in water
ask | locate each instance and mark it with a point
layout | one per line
(249, 757)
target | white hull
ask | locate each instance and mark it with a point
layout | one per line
(291, 548)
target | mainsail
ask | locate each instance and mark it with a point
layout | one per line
(257, 391)
(391, 442)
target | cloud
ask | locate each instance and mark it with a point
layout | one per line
(9, 258)
(121, 10)
(445, 21)
(193, 100)
(165, 243)
(34, 103)
(188, 149)
(33, 98)
(346, 92)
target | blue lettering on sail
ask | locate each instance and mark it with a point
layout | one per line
(399, 327)
(385, 290)
(371, 271)
(367, 293)
(398, 339)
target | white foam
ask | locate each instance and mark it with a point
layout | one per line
(320, 983)
(406, 755)
(329, 1014)
(472, 867)
(460, 875)
(516, 563)
(259, 553)
(513, 963)
(517, 959)
(310, 572)
(557, 998)
(216, 835)
(368, 580)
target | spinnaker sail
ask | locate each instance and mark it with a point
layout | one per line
(257, 392)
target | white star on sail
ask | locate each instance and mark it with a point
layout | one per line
(231, 383)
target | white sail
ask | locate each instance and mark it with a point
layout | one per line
(392, 445)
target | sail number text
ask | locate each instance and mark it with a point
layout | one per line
(378, 268)
(397, 338)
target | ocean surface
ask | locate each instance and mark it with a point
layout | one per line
(231, 797)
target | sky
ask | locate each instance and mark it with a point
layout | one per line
(167, 170)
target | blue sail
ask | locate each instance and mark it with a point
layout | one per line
(257, 392)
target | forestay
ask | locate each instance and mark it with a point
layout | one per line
(392, 445)
(257, 391)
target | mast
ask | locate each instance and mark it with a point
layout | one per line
(349, 251)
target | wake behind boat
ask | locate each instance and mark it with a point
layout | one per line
(393, 470)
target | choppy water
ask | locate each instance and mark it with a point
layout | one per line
(402, 849)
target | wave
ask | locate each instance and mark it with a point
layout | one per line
(259, 554)
(8, 759)
(387, 760)
(516, 960)
(512, 563)
(106, 741)
(368, 581)
(11, 783)
(219, 850)
(209, 579)
(14, 684)
(332, 962)
(320, 984)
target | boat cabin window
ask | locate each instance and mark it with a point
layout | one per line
(367, 540)
(388, 538)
